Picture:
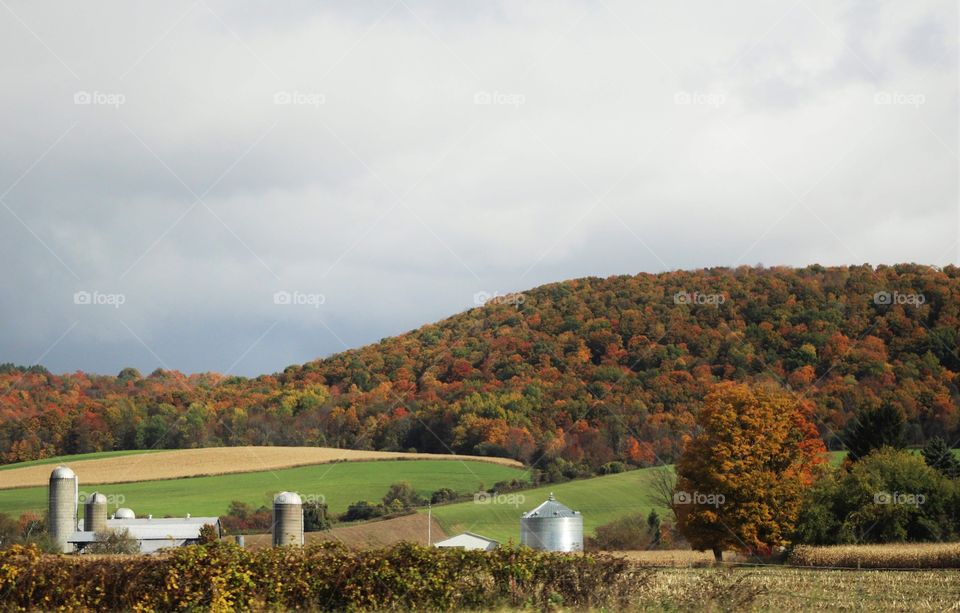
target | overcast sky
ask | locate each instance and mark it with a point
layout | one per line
(167, 167)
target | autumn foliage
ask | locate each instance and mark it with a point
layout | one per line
(578, 374)
(740, 481)
(328, 577)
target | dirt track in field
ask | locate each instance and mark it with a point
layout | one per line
(180, 463)
(410, 528)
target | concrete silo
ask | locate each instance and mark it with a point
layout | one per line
(95, 513)
(552, 527)
(62, 506)
(287, 519)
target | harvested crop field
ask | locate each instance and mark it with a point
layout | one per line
(409, 528)
(181, 463)
(894, 555)
(777, 588)
(680, 558)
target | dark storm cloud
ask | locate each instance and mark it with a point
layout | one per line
(382, 163)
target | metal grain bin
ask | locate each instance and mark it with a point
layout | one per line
(62, 506)
(552, 527)
(95, 513)
(287, 519)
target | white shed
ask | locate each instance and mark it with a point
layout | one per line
(470, 542)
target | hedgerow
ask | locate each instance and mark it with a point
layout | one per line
(222, 577)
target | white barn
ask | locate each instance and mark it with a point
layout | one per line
(153, 534)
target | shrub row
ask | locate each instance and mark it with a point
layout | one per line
(894, 555)
(223, 576)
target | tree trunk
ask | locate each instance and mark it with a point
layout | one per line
(717, 554)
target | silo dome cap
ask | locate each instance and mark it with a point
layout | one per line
(96, 498)
(62, 472)
(125, 513)
(287, 498)
(551, 508)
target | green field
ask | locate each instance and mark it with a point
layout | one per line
(600, 500)
(62, 459)
(338, 484)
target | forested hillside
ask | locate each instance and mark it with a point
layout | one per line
(582, 372)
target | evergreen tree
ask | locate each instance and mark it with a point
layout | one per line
(938, 455)
(653, 527)
(873, 429)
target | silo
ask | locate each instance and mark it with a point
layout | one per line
(95, 513)
(552, 527)
(124, 513)
(62, 506)
(287, 519)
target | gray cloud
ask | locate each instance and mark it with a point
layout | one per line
(429, 151)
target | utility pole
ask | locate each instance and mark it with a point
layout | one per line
(429, 524)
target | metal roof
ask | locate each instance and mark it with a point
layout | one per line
(164, 528)
(468, 540)
(551, 508)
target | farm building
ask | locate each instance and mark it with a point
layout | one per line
(469, 541)
(149, 533)
(153, 534)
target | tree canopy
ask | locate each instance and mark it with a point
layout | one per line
(576, 375)
(740, 480)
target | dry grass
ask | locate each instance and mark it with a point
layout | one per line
(409, 528)
(679, 558)
(783, 589)
(180, 463)
(695, 584)
(907, 556)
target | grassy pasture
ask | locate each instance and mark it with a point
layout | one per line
(339, 484)
(179, 463)
(600, 500)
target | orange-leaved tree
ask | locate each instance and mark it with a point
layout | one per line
(741, 478)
